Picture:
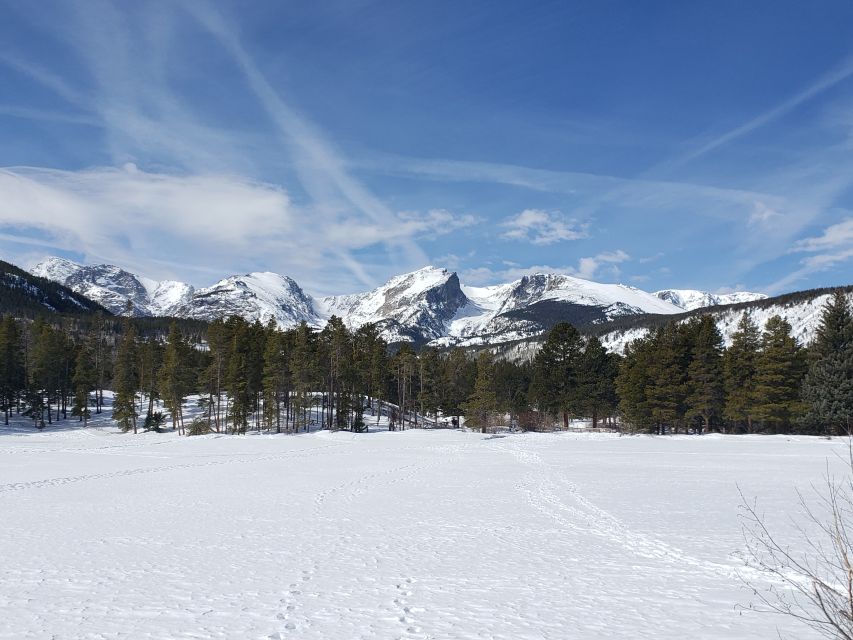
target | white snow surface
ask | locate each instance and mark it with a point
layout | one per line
(690, 299)
(415, 534)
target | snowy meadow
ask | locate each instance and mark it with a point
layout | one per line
(414, 534)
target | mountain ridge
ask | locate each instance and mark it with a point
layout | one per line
(427, 306)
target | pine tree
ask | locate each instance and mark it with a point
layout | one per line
(597, 379)
(429, 374)
(85, 381)
(555, 387)
(828, 385)
(481, 407)
(276, 380)
(304, 374)
(739, 369)
(705, 373)
(151, 355)
(457, 382)
(632, 383)
(779, 376)
(11, 365)
(175, 376)
(667, 370)
(126, 380)
(403, 370)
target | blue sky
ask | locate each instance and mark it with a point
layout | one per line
(659, 144)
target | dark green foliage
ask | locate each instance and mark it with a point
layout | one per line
(597, 379)
(828, 386)
(85, 381)
(460, 371)
(481, 408)
(126, 381)
(778, 377)
(175, 378)
(739, 368)
(705, 373)
(12, 373)
(28, 296)
(632, 383)
(555, 388)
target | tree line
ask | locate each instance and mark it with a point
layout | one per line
(243, 375)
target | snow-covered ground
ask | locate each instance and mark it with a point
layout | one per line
(415, 534)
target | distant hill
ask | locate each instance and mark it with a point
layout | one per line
(25, 295)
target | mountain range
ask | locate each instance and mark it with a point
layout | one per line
(429, 305)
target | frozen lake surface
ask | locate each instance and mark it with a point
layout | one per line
(416, 534)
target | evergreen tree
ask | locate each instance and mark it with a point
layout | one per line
(276, 379)
(705, 373)
(11, 365)
(403, 370)
(739, 369)
(151, 355)
(481, 407)
(597, 379)
(828, 385)
(429, 374)
(633, 381)
(457, 383)
(175, 380)
(304, 375)
(555, 387)
(126, 380)
(667, 370)
(85, 381)
(779, 376)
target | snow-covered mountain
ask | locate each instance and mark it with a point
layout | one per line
(532, 304)
(113, 287)
(427, 305)
(260, 296)
(690, 299)
(417, 306)
(432, 306)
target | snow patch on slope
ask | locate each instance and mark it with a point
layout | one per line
(261, 296)
(690, 299)
(803, 317)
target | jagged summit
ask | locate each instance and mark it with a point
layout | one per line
(415, 306)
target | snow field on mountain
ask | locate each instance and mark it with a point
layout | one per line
(415, 534)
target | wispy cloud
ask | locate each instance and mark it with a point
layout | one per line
(832, 247)
(165, 225)
(833, 237)
(319, 164)
(841, 72)
(129, 64)
(542, 227)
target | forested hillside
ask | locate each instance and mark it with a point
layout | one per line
(26, 295)
(679, 378)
